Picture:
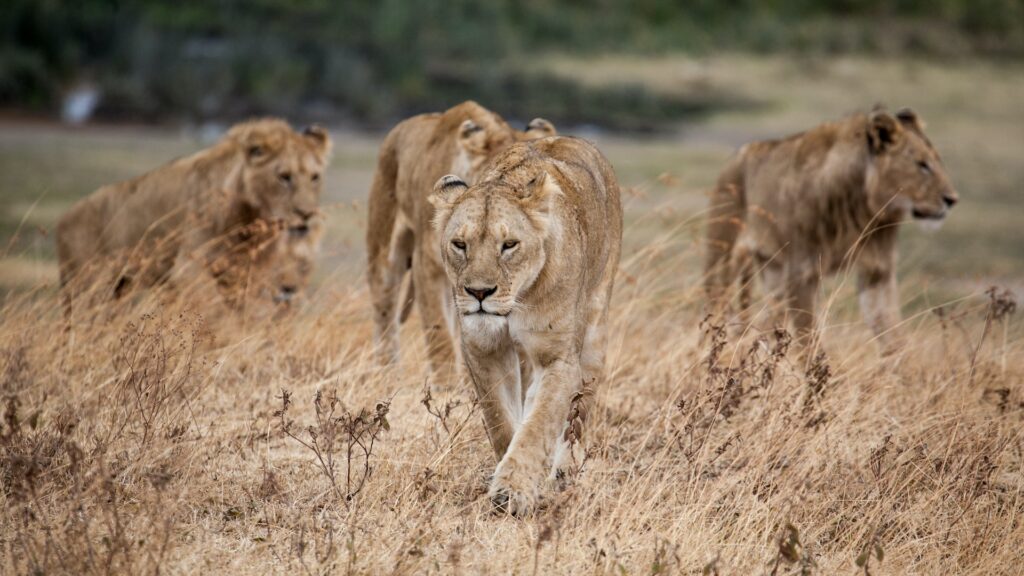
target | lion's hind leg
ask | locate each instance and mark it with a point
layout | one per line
(385, 276)
(725, 224)
(743, 270)
(570, 452)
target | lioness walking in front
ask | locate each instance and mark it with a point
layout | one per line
(822, 201)
(400, 239)
(531, 252)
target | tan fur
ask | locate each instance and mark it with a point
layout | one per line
(269, 265)
(163, 223)
(819, 201)
(294, 267)
(530, 252)
(399, 237)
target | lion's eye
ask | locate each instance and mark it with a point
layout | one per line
(300, 231)
(924, 167)
(509, 244)
(316, 177)
(285, 177)
(459, 245)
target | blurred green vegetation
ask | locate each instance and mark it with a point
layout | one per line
(374, 60)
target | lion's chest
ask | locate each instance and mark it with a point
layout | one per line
(543, 341)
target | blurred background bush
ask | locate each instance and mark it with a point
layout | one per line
(373, 61)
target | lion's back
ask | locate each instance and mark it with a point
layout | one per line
(795, 161)
(588, 181)
(591, 201)
(424, 149)
(787, 188)
(116, 217)
(418, 156)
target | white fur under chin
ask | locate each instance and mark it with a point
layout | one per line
(484, 331)
(931, 224)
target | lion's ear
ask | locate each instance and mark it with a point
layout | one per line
(472, 137)
(540, 128)
(255, 140)
(254, 152)
(320, 138)
(883, 131)
(910, 119)
(446, 192)
(257, 149)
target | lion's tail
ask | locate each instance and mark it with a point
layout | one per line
(726, 219)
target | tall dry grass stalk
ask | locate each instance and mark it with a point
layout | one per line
(162, 436)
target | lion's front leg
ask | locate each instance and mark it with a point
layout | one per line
(493, 366)
(879, 304)
(522, 473)
(878, 292)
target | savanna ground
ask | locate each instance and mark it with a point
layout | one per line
(163, 435)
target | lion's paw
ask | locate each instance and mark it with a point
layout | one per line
(512, 495)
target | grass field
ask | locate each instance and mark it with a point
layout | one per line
(152, 439)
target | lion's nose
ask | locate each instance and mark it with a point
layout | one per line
(481, 293)
(950, 199)
(305, 214)
(285, 294)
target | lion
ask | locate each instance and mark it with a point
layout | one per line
(269, 266)
(399, 236)
(293, 269)
(530, 253)
(822, 201)
(159, 225)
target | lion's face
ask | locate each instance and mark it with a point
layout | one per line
(492, 241)
(282, 175)
(908, 175)
(293, 266)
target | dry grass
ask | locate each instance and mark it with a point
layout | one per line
(165, 435)
(135, 446)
